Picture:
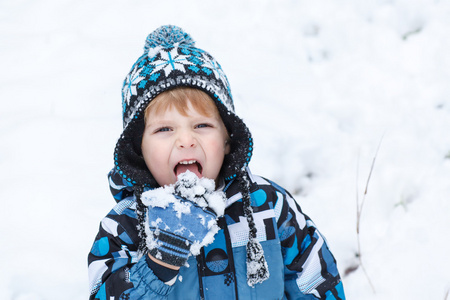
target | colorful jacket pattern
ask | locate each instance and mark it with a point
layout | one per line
(300, 263)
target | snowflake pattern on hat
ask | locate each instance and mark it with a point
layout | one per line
(170, 58)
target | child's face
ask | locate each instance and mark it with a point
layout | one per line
(173, 143)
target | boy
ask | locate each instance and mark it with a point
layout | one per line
(222, 232)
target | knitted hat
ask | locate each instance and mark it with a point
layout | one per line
(171, 60)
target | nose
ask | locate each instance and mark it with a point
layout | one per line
(186, 140)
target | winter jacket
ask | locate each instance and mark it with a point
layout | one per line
(300, 263)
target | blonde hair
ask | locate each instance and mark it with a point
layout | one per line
(179, 98)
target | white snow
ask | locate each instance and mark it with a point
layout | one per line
(160, 197)
(319, 83)
(200, 191)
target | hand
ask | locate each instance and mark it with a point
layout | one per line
(180, 220)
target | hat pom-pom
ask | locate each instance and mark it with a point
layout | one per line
(166, 37)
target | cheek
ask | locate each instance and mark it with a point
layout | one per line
(216, 145)
(150, 153)
(146, 149)
(218, 149)
(156, 160)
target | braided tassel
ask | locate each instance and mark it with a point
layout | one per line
(141, 211)
(257, 268)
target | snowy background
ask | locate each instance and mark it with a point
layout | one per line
(320, 83)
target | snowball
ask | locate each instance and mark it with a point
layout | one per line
(200, 191)
(216, 201)
(160, 197)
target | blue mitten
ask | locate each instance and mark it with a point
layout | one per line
(182, 218)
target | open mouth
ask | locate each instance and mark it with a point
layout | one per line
(189, 165)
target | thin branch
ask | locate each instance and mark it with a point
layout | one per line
(357, 198)
(368, 178)
(359, 208)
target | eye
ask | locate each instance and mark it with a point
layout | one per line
(203, 125)
(162, 129)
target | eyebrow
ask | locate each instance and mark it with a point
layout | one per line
(158, 123)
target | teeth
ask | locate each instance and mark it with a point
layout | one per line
(187, 162)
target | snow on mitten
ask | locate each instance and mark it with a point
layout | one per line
(180, 220)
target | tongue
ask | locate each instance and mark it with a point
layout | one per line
(192, 167)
